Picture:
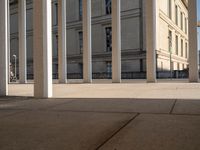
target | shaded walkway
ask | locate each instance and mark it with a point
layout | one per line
(106, 124)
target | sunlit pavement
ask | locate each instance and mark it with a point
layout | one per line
(172, 89)
(97, 119)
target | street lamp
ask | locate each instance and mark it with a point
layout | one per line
(15, 59)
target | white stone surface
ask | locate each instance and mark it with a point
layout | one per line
(151, 12)
(42, 48)
(193, 50)
(116, 41)
(87, 43)
(62, 39)
(22, 41)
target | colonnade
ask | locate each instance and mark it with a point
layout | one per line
(42, 43)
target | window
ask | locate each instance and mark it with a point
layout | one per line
(181, 20)
(186, 50)
(183, 67)
(176, 14)
(170, 9)
(80, 34)
(178, 66)
(108, 7)
(186, 24)
(161, 66)
(109, 69)
(181, 48)
(80, 9)
(176, 44)
(56, 13)
(170, 40)
(108, 39)
(141, 65)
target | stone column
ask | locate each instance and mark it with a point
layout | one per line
(42, 48)
(8, 53)
(3, 47)
(152, 18)
(193, 52)
(62, 39)
(116, 41)
(22, 41)
(87, 46)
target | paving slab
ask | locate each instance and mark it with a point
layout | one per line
(158, 132)
(6, 113)
(44, 130)
(187, 107)
(10, 99)
(119, 105)
(33, 104)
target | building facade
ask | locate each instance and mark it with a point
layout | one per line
(171, 53)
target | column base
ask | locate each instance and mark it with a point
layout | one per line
(87, 81)
(151, 81)
(116, 81)
(62, 81)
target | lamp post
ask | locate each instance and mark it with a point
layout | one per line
(15, 59)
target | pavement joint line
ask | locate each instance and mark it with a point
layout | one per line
(80, 111)
(171, 111)
(176, 114)
(117, 112)
(116, 132)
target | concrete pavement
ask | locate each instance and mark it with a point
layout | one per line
(170, 89)
(99, 123)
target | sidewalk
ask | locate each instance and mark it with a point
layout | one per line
(99, 123)
(132, 115)
(175, 89)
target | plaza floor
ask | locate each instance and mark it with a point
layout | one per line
(171, 89)
(103, 116)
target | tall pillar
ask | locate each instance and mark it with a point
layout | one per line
(42, 48)
(151, 14)
(62, 39)
(8, 52)
(3, 47)
(22, 41)
(193, 52)
(87, 46)
(116, 41)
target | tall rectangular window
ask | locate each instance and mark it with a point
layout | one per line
(141, 65)
(80, 9)
(108, 7)
(170, 40)
(80, 34)
(186, 25)
(109, 69)
(170, 8)
(176, 45)
(176, 14)
(181, 19)
(108, 39)
(181, 48)
(186, 50)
